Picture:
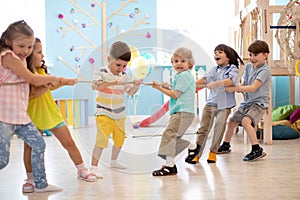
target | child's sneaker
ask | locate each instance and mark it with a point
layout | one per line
(115, 164)
(165, 171)
(49, 188)
(255, 155)
(193, 157)
(28, 186)
(97, 174)
(224, 149)
(94, 170)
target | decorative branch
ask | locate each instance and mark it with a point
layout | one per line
(142, 21)
(85, 13)
(124, 4)
(60, 16)
(71, 67)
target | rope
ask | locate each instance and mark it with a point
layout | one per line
(90, 81)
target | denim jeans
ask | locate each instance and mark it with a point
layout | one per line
(30, 135)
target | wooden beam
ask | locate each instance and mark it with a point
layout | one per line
(292, 90)
(247, 10)
(275, 9)
(279, 68)
(281, 71)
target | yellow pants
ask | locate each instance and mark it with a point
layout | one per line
(107, 126)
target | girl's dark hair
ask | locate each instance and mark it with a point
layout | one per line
(12, 32)
(234, 58)
(31, 67)
(30, 59)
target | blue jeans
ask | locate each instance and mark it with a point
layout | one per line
(30, 135)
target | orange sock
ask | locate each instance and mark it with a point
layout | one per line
(212, 157)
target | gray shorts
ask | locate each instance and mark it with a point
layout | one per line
(255, 112)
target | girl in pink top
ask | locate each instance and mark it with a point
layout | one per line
(16, 44)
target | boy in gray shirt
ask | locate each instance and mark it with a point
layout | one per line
(256, 86)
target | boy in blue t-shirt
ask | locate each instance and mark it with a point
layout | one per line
(181, 109)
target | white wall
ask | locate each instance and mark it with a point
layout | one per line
(207, 22)
(32, 11)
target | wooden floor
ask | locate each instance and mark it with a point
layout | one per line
(277, 176)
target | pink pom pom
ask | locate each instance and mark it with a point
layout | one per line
(148, 35)
(72, 11)
(91, 60)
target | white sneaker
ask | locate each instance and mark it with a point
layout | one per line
(94, 170)
(117, 165)
(49, 188)
(97, 174)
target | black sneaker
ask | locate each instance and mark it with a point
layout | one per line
(193, 157)
(224, 149)
(255, 155)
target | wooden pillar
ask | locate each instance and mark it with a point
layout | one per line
(268, 37)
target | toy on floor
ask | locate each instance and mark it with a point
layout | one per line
(135, 125)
